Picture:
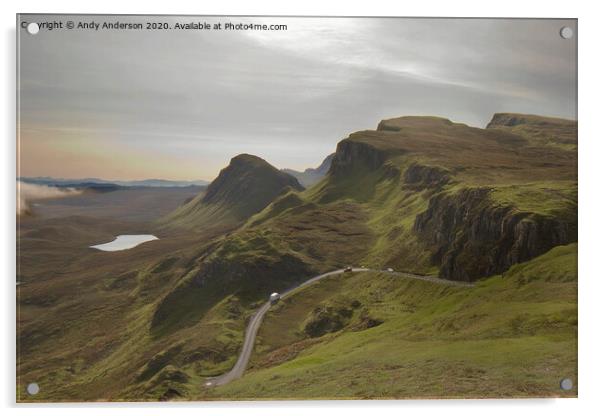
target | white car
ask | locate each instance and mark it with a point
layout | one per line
(274, 298)
(389, 269)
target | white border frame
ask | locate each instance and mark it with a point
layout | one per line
(589, 219)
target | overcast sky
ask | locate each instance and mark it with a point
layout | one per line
(179, 104)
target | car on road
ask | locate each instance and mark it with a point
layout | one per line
(274, 298)
(389, 269)
(348, 269)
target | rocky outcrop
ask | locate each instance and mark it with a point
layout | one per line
(326, 319)
(312, 175)
(384, 126)
(471, 237)
(353, 154)
(543, 130)
(252, 275)
(324, 166)
(513, 119)
(507, 120)
(422, 177)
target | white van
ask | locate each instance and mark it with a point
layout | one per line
(274, 298)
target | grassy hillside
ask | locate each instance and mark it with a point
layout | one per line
(420, 194)
(84, 316)
(427, 195)
(241, 189)
(547, 131)
(394, 198)
(383, 336)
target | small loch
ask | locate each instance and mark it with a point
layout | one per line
(125, 242)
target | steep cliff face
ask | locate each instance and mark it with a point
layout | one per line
(460, 193)
(472, 237)
(421, 176)
(352, 156)
(324, 166)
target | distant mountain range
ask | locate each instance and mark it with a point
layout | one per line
(306, 178)
(96, 182)
(310, 176)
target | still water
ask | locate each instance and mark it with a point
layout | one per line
(124, 242)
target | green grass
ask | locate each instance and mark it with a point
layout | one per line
(155, 321)
(549, 198)
(364, 217)
(84, 322)
(540, 131)
(513, 335)
(245, 187)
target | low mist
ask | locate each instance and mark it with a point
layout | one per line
(29, 192)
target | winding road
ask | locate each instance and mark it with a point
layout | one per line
(255, 322)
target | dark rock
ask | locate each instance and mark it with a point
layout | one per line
(421, 177)
(169, 395)
(326, 319)
(252, 274)
(352, 154)
(471, 237)
(366, 321)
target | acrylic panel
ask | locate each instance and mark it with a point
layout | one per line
(252, 208)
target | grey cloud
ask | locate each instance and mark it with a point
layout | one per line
(290, 97)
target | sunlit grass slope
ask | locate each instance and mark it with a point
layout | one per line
(390, 337)
(420, 194)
